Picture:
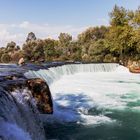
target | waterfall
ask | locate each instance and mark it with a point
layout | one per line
(55, 73)
(19, 116)
(19, 119)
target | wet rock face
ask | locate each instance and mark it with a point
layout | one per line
(18, 111)
(42, 95)
(39, 90)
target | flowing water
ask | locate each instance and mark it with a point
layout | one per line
(93, 102)
(19, 117)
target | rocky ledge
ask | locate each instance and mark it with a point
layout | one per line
(42, 95)
(133, 66)
(38, 88)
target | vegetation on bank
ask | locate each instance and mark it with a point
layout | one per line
(118, 41)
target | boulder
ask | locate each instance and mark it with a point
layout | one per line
(133, 66)
(39, 89)
(21, 61)
(42, 95)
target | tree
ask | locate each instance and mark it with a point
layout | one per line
(98, 50)
(50, 49)
(64, 43)
(31, 37)
(11, 47)
(118, 16)
(136, 19)
(65, 38)
(16, 56)
(34, 50)
(75, 50)
(118, 41)
(121, 32)
(92, 34)
(2, 51)
(5, 58)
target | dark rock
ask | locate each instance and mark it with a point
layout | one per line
(42, 95)
(39, 89)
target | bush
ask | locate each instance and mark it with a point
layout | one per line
(97, 58)
(86, 58)
(109, 58)
(16, 56)
(5, 58)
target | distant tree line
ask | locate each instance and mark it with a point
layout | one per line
(118, 41)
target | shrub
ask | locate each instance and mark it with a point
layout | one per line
(109, 58)
(5, 58)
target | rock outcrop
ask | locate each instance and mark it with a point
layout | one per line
(42, 95)
(19, 110)
(38, 87)
(21, 61)
(133, 66)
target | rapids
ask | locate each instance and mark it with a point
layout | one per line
(92, 101)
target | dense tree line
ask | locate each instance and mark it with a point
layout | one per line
(118, 41)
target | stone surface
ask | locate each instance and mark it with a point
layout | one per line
(21, 61)
(39, 89)
(42, 95)
(133, 66)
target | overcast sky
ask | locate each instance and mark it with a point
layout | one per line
(47, 18)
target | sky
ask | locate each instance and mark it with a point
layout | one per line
(47, 18)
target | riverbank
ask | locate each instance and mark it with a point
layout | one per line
(133, 66)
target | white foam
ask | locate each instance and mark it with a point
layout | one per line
(94, 120)
(75, 95)
(90, 86)
(23, 95)
(122, 69)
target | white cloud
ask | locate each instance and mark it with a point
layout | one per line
(6, 36)
(25, 24)
(103, 21)
(18, 32)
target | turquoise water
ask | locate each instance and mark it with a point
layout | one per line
(95, 106)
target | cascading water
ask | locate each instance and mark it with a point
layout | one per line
(55, 73)
(18, 116)
(92, 101)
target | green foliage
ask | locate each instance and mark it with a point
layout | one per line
(49, 49)
(119, 16)
(65, 38)
(92, 34)
(137, 18)
(5, 58)
(97, 48)
(31, 37)
(118, 41)
(34, 50)
(109, 58)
